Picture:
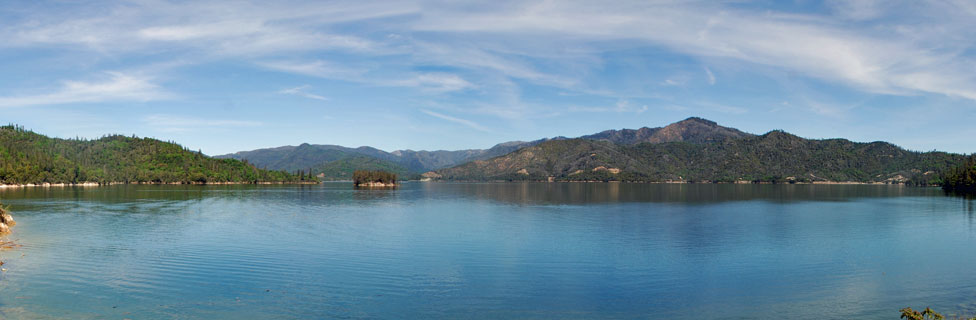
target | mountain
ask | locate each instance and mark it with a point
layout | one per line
(302, 157)
(342, 169)
(700, 150)
(28, 157)
(404, 162)
(694, 130)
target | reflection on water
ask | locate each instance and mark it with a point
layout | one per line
(501, 250)
(588, 193)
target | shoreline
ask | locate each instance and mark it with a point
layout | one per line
(96, 184)
(375, 185)
(689, 182)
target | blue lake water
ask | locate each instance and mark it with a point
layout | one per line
(503, 250)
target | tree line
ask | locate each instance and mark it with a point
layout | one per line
(28, 157)
(961, 179)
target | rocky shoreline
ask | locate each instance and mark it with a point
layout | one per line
(375, 185)
(6, 221)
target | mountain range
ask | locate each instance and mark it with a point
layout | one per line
(334, 162)
(694, 149)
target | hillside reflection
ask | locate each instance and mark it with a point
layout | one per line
(585, 193)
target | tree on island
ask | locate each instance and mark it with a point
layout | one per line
(961, 179)
(366, 177)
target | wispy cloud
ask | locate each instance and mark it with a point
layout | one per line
(111, 87)
(316, 68)
(300, 91)
(880, 62)
(510, 61)
(431, 81)
(622, 106)
(173, 123)
(518, 40)
(437, 82)
(709, 76)
(468, 123)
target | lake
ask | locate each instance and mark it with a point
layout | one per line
(492, 250)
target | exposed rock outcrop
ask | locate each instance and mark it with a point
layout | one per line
(6, 221)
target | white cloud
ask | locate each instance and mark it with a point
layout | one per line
(432, 81)
(115, 88)
(317, 68)
(300, 91)
(551, 43)
(673, 82)
(879, 61)
(710, 76)
(468, 123)
(437, 82)
(172, 123)
(622, 106)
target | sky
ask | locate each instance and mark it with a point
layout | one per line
(227, 76)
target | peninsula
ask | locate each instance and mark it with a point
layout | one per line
(31, 159)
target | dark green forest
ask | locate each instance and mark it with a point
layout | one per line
(962, 179)
(28, 157)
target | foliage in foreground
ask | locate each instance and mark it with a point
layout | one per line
(367, 176)
(28, 157)
(927, 314)
(961, 179)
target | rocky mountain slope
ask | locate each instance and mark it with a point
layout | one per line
(686, 153)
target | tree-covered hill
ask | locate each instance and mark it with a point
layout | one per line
(28, 157)
(962, 179)
(304, 156)
(773, 157)
(343, 169)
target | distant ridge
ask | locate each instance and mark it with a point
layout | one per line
(694, 149)
(698, 150)
(694, 130)
(321, 158)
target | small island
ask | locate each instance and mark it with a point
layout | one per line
(374, 179)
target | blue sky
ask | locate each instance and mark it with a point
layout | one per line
(226, 76)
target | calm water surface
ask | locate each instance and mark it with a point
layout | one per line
(442, 250)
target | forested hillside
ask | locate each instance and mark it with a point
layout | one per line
(773, 157)
(962, 179)
(334, 162)
(28, 157)
(343, 169)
